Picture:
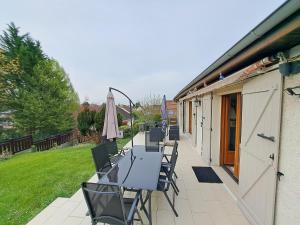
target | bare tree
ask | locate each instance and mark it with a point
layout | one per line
(151, 107)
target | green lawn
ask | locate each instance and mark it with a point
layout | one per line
(31, 181)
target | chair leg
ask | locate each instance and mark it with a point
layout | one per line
(139, 216)
(175, 190)
(170, 203)
(175, 175)
(175, 185)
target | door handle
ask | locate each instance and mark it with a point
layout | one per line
(270, 138)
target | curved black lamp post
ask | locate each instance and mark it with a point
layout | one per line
(130, 106)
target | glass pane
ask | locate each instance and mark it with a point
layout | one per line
(232, 121)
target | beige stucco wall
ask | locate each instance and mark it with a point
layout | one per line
(186, 116)
(288, 193)
(179, 116)
(216, 129)
(194, 125)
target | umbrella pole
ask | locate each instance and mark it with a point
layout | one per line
(131, 124)
(130, 106)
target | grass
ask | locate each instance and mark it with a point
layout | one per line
(31, 181)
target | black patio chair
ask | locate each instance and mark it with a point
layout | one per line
(101, 159)
(166, 180)
(114, 154)
(107, 205)
(156, 134)
(165, 166)
(174, 133)
(151, 146)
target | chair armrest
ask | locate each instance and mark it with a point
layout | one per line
(164, 181)
(101, 173)
(133, 207)
(168, 165)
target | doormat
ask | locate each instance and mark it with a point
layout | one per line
(206, 175)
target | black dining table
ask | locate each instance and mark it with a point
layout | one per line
(139, 170)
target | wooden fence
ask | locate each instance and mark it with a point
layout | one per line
(53, 141)
(24, 143)
(17, 145)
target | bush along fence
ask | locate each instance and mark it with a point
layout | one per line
(24, 143)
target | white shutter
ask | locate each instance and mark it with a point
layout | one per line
(199, 127)
(206, 127)
(261, 115)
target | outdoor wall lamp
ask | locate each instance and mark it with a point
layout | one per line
(294, 91)
(197, 102)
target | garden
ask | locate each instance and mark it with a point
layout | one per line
(30, 181)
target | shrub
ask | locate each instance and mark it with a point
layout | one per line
(126, 131)
(5, 154)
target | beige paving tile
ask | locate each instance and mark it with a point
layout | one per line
(43, 216)
(80, 210)
(59, 202)
(202, 219)
(165, 217)
(239, 220)
(63, 212)
(220, 217)
(73, 220)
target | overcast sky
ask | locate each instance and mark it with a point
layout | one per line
(137, 46)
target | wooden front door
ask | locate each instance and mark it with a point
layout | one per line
(230, 131)
(190, 116)
(261, 116)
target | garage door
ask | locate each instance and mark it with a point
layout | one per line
(261, 112)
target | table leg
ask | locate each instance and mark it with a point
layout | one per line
(148, 212)
(149, 208)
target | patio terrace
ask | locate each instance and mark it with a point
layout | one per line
(197, 203)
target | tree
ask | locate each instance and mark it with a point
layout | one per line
(99, 119)
(85, 122)
(151, 105)
(120, 119)
(47, 108)
(36, 89)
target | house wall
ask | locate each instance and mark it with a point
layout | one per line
(186, 117)
(194, 121)
(288, 189)
(179, 118)
(216, 128)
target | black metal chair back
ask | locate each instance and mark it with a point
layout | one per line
(152, 146)
(112, 147)
(174, 133)
(156, 134)
(101, 159)
(173, 161)
(105, 203)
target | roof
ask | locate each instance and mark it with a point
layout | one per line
(91, 107)
(279, 31)
(171, 105)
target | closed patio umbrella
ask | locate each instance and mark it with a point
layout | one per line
(110, 128)
(164, 112)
